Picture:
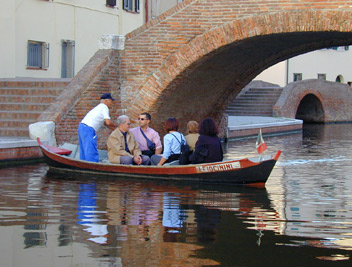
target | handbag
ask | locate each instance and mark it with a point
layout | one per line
(150, 144)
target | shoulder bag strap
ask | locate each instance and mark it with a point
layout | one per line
(146, 138)
(177, 141)
(176, 138)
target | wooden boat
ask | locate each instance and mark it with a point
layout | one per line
(241, 171)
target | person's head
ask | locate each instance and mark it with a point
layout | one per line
(208, 127)
(171, 124)
(107, 99)
(144, 119)
(192, 127)
(123, 123)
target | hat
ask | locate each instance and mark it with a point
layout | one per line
(107, 96)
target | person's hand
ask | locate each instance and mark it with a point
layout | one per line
(159, 164)
(137, 160)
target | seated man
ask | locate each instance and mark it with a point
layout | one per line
(144, 132)
(123, 147)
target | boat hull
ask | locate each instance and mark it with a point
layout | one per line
(242, 171)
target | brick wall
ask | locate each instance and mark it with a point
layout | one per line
(99, 76)
(22, 100)
(190, 62)
(18, 153)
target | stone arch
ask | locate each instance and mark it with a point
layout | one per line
(310, 109)
(339, 79)
(181, 70)
(316, 101)
(191, 61)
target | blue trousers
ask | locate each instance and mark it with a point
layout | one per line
(87, 139)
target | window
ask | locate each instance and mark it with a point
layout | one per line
(37, 55)
(111, 3)
(131, 5)
(340, 48)
(297, 77)
(339, 79)
(321, 76)
(68, 59)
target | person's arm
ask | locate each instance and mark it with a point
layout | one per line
(167, 147)
(158, 151)
(157, 142)
(162, 161)
(110, 124)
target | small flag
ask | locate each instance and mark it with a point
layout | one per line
(260, 144)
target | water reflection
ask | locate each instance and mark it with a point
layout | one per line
(304, 214)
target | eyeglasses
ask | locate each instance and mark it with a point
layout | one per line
(141, 119)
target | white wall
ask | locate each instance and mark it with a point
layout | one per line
(330, 62)
(325, 61)
(8, 39)
(82, 21)
(275, 74)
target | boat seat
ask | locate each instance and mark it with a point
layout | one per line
(103, 155)
(74, 148)
(175, 162)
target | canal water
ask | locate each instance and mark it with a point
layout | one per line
(303, 217)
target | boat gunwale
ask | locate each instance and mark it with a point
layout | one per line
(147, 170)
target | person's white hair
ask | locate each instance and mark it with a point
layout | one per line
(121, 119)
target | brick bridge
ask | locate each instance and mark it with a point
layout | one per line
(315, 101)
(194, 59)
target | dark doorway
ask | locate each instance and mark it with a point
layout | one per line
(310, 110)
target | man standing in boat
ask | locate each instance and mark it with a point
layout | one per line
(147, 138)
(90, 125)
(123, 147)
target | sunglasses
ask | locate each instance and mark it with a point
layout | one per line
(141, 119)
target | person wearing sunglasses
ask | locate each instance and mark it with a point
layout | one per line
(123, 147)
(147, 138)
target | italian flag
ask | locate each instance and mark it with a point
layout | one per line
(260, 144)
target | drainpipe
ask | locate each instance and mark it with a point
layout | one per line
(287, 71)
(146, 11)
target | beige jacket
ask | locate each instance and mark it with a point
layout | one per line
(191, 140)
(116, 146)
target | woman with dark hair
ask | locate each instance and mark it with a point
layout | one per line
(208, 147)
(172, 143)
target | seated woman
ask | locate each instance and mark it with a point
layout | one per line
(172, 143)
(208, 147)
(192, 137)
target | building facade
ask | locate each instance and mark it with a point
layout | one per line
(56, 38)
(330, 64)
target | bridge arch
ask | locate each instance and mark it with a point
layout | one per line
(310, 109)
(191, 61)
(315, 101)
(203, 75)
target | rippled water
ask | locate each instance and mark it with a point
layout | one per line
(302, 218)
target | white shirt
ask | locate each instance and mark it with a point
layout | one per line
(95, 118)
(171, 145)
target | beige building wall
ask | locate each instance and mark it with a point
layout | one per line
(331, 63)
(276, 74)
(157, 7)
(8, 40)
(325, 62)
(51, 22)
